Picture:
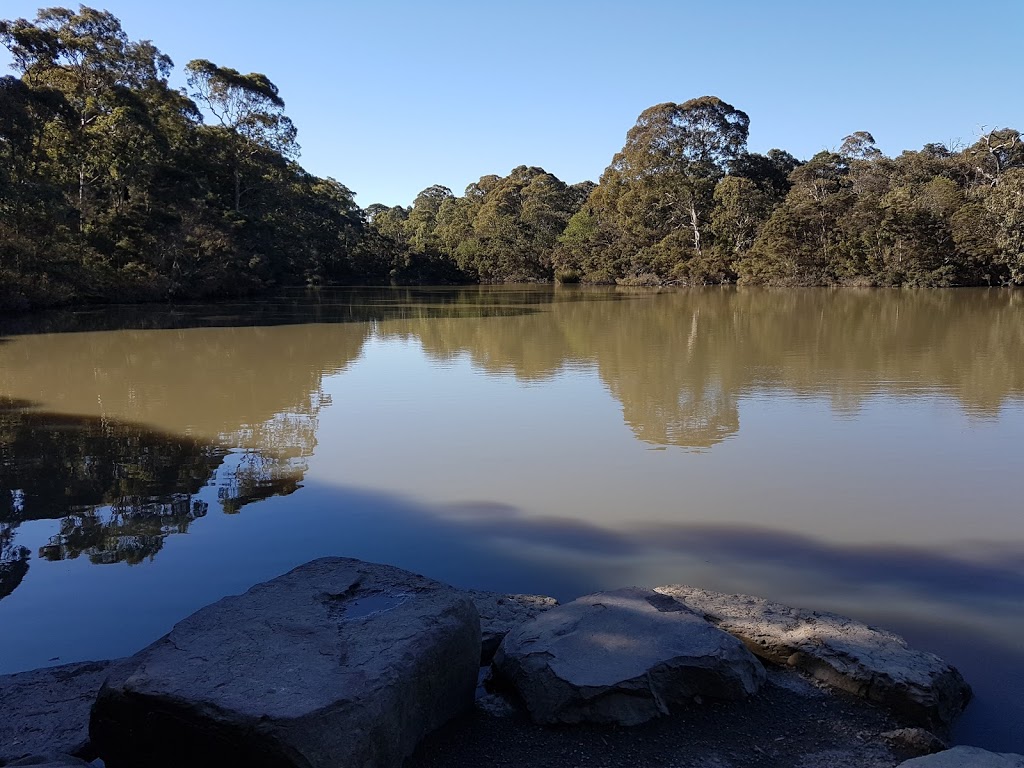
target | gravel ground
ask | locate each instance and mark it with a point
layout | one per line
(791, 723)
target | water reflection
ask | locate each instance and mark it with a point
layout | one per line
(119, 489)
(129, 533)
(125, 427)
(679, 364)
(13, 561)
(156, 410)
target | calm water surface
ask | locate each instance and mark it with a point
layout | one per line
(842, 450)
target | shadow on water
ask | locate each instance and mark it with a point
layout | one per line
(934, 576)
(120, 511)
(939, 601)
(938, 576)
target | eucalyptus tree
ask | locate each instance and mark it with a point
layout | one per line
(860, 145)
(455, 225)
(514, 223)
(802, 243)
(674, 156)
(995, 153)
(743, 201)
(108, 136)
(87, 57)
(249, 109)
(111, 186)
(422, 256)
(456, 237)
(1005, 206)
(33, 212)
(741, 209)
(769, 171)
(391, 221)
(658, 192)
(422, 221)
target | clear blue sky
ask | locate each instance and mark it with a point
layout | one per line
(391, 97)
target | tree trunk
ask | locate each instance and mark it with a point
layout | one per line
(695, 223)
(81, 197)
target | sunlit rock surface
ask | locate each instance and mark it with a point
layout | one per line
(840, 651)
(622, 657)
(337, 662)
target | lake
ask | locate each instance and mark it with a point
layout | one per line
(845, 450)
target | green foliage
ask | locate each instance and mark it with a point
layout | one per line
(113, 188)
(741, 208)
(1005, 206)
(654, 203)
(113, 185)
(502, 229)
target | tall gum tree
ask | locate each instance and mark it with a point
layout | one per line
(682, 150)
(87, 57)
(249, 108)
(658, 192)
(519, 222)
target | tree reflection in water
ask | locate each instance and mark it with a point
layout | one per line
(237, 404)
(120, 489)
(679, 364)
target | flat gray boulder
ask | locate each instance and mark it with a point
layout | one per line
(47, 710)
(499, 614)
(336, 663)
(622, 657)
(839, 651)
(966, 757)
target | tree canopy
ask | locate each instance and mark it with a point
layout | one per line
(114, 185)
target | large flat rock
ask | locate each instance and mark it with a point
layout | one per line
(47, 710)
(622, 657)
(500, 613)
(336, 663)
(966, 757)
(839, 651)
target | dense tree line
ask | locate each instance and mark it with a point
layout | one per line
(502, 229)
(115, 185)
(684, 202)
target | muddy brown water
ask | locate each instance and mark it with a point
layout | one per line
(846, 450)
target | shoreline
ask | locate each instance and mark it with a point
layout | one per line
(804, 712)
(20, 312)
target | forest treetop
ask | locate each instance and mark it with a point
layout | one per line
(113, 185)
